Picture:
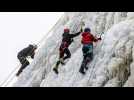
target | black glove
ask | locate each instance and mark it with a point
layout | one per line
(32, 55)
(72, 40)
(99, 38)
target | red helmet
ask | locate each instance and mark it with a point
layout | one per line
(66, 30)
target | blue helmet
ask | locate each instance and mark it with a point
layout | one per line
(87, 30)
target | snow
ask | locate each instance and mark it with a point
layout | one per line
(112, 65)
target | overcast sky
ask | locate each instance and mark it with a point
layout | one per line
(17, 31)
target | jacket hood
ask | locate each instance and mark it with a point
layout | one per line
(31, 46)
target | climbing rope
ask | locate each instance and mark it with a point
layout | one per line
(112, 50)
(92, 71)
(7, 83)
(38, 44)
(44, 37)
(13, 71)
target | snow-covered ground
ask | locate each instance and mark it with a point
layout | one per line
(113, 63)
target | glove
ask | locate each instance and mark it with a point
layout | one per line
(72, 40)
(32, 56)
(99, 39)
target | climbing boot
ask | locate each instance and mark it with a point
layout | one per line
(62, 61)
(55, 70)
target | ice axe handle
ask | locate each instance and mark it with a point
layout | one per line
(82, 24)
(101, 34)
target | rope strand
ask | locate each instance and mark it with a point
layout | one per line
(9, 76)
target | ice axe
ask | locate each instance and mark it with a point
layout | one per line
(101, 34)
(82, 24)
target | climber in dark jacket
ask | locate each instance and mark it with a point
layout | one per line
(67, 39)
(23, 54)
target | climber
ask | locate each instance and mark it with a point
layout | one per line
(23, 54)
(87, 49)
(67, 39)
